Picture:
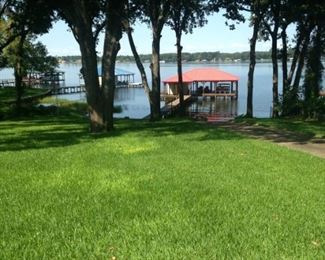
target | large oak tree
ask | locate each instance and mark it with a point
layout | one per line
(86, 21)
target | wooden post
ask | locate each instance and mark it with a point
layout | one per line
(236, 90)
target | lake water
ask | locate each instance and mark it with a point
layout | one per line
(135, 104)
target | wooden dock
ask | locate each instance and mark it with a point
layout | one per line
(68, 90)
(81, 88)
(135, 85)
(129, 85)
(231, 95)
(173, 106)
(219, 95)
(6, 83)
(168, 97)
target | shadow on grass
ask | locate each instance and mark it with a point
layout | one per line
(177, 126)
(44, 132)
(274, 133)
(294, 125)
(53, 131)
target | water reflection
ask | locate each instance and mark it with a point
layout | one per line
(133, 101)
(210, 106)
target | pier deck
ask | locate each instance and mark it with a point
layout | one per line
(68, 90)
(5, 83)
(174, 105)
(232, 95)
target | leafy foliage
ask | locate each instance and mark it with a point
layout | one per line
(184, 15)
(20, 18)
(38, 59)
(35, 57)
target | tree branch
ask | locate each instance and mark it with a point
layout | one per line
(8, 41)
(4, 7)
(99, 28)
(268, 27)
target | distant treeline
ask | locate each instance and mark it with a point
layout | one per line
(188, 57)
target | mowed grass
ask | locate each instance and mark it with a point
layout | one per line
(175, 189)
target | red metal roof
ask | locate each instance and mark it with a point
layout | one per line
(203, 75)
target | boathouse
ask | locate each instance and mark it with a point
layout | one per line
(44, 79)
(204, 82)
(123, 78)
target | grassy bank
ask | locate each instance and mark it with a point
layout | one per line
(8, 97)
(167, 190)
(9, 94)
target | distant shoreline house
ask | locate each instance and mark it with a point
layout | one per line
(204, 82)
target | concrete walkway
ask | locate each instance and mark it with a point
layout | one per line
(288, 139)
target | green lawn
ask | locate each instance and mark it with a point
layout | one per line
(310, 128)
(9, 94)
(167, 190)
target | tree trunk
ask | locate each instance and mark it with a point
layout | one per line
(113, 35)
(275, 90)
(301, 61)
(180, 73)
(139, 65)
(313, 72)
(111, 48)
(93, 91)
(284, 62)
(285, 85)
(318, 67)
(79, 18)
(155, 73)
(295, 59)
(252, 62)
(18, 72)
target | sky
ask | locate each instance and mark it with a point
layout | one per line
(214, 36)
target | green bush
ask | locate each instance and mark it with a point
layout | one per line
(290, 104)
(320, 108)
